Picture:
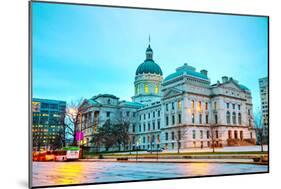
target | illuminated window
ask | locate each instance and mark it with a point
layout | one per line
(156, 89)
(146, 88)
(179, 104)
(199, 106)
(192, 104)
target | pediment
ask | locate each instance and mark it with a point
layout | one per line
(231, 85)
(172, 92)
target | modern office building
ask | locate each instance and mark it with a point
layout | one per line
(263, 84)
(183, 110)
(47, 126)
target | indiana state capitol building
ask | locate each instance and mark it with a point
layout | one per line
(183, 110)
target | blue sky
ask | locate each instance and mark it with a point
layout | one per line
(81, 51)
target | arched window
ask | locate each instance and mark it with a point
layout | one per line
(228, 117)
(192, 104)
(217, 134)
(179, 104)
(229, 134)
(239, 118)
(233, 118)
(146, 88)
(241, 135)
(235, 134)
(156, 89)
(199, 107)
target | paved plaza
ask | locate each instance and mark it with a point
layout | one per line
(62, 173)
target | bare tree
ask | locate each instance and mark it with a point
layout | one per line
(179, 136)
(214, 135)
(259, 127)
(72, 119)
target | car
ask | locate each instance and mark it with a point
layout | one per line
(155, 150)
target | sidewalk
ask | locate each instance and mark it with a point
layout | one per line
(240, 161)
(255, 148)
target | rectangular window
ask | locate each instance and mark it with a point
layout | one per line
(144, 116)
(173, 105)
(239, 107)
(149, 126)
(215, 105)
(107, 114)
(173, 136)
(233, 106)
(167, 107)
(144, 127)
(179, 135)
(201, 134)
(158, 124)
(153, 114)
(192, 118)
(200, 118)
(134, 128)
(128, 114)
(216, 119)
(153, 125)
(206, 106)
(208, 134)
(173, 120)
(148, 115)
(179, 118)
(207, 119)
(139, 128)
(167, 120)
(134, 114)
(227, 105)
(158, 113)
(193, 134)
(166, 136)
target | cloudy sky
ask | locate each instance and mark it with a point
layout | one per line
(81, 51)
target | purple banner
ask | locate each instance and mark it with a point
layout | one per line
(79, 136)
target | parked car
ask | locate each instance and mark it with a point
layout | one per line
(60, 155)
(155, 150)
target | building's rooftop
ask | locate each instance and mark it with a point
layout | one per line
(188, 70)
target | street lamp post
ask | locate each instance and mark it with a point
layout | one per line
(137, 145)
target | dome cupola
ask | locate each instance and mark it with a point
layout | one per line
(149, 66)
